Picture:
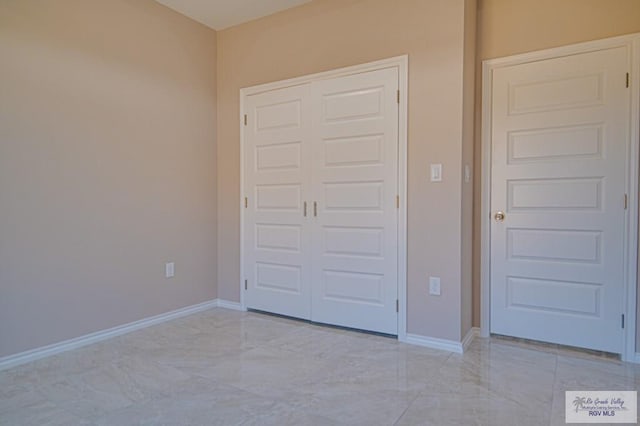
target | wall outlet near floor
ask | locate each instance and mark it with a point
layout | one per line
(436, 173)
(434, 286)
(169, 269)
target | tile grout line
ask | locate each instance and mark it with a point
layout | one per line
(420, 393)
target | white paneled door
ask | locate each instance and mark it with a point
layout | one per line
(321, 220)
(559, 145)
(277, 156)
(355, 181)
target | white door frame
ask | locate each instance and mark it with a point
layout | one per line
(402, 64)
(630, 251)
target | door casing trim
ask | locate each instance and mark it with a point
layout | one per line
(630, 249)
(402, 64)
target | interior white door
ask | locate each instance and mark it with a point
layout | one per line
(355, 219)
(559, 146)
(277, 238)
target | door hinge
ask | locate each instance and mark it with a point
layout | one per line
(628, 80)
(397, 201)
(398, 96)
(622, 321)
(246, 202)
(626, 201)
(245, 284)
(245, 119)
(397, 305)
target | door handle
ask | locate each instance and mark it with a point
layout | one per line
(305, 209)
(500, 216)
(315, 209)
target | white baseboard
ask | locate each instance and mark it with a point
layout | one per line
(227, 304)
(468, 338)
(443, 344)
(56, 348)
(435, 343)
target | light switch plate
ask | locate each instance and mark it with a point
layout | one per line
(436, 173)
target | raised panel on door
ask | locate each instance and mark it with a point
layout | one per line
(355, 180)
(277, 183)
(559, 145)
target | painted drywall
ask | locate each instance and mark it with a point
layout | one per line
(470, 33)
(329, 34)
(508, 27)
(107, 166)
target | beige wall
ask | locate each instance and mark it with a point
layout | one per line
(108, 145)
(328, 34)
(107, 166)
(507, 27)
(466, 301)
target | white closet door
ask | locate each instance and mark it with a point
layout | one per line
(277, 181)
(355, 180)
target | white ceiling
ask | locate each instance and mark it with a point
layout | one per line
(220, 14)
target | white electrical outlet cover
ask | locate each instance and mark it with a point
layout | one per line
(434, 286)
(436, 173)
(169, 269)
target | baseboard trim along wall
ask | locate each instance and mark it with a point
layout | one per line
(442, 344)
(227, 304)
(56, 348)
(468, 338)
(88, 339)
(434, 343)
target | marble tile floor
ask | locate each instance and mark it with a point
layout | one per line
(223, 367)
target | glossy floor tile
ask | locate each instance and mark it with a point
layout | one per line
(223, 367)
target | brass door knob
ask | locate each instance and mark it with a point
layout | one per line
(499, 216)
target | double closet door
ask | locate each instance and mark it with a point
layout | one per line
(320, 213)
